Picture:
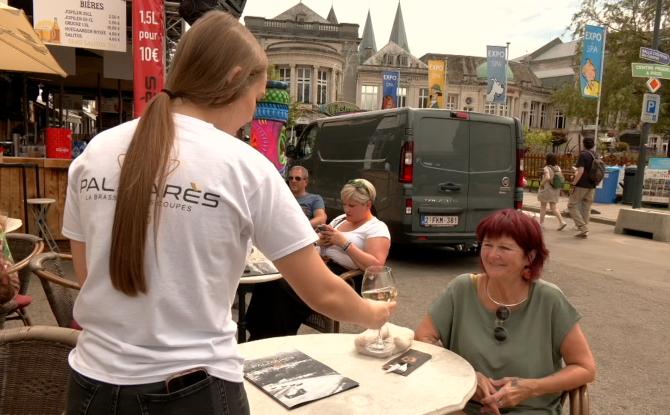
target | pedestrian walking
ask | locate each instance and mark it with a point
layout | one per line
(581, 198)
(550, 190)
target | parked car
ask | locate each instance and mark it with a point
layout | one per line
(438, 173)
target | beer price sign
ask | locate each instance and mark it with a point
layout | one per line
(148, 51)
(99, 24)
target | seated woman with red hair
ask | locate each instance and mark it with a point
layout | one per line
(519, 332)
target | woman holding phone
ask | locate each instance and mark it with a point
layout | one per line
(354, 240)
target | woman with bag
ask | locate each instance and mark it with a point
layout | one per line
(550, 189)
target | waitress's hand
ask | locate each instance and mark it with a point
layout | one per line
(379, 313)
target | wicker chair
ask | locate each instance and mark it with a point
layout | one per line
(23, 247)
(56, 274)
(580, 403)
(321, 323)
(34, 369)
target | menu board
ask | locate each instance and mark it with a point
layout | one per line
(656, 188)
(99, 24)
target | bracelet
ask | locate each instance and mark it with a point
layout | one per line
(346, 246)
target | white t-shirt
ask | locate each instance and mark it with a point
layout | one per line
(374, 228)
(220, 196)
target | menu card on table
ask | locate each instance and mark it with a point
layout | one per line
(293, 378)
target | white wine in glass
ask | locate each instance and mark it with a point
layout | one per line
(379, 285)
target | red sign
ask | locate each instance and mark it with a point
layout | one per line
(653, 84)
(148, 51)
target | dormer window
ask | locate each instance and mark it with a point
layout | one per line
(388, 59)
(402, 60)
(300, 18)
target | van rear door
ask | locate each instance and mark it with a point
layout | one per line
(492, 167)
(440, 183)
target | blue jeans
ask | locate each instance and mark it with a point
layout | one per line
(208, 396)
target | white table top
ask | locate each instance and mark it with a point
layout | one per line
(13, 224)
(442, 385)
(257, 279)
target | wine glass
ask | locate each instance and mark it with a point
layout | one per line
(379, 285)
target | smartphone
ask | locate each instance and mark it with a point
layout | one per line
(321, 228)
(184, 379)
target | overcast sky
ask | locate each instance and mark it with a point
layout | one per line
(447, 26)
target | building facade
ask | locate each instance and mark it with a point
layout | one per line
(325, 61)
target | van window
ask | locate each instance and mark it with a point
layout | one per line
(442, 143)
(306, 145)
(491, 147)
(360, 139)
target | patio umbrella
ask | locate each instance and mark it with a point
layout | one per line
(20, 48)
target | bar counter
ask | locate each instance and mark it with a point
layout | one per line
(37, 177)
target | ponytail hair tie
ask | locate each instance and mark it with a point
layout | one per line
(169, 93)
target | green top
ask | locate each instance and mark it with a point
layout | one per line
(535, 332)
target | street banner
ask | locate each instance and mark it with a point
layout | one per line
(591, 67)
(496, 62)
(390, 90)
(148, 51)
(99, 24)
(437, 82)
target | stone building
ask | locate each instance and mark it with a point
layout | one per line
(318, 57)
(325, 61)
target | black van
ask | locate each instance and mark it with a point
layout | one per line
(437, 172)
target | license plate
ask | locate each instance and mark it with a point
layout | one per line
(433, 220)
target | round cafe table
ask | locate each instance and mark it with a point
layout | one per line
(442, 385)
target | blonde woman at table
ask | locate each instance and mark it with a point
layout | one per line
(162, 212)
(353, 240)
(519, 332)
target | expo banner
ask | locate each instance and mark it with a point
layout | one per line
(496, 62)
(437, 82)
(99, 24)
(390, 90)
(148, 51)
(591, 67)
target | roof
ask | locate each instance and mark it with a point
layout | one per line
(331, 16)
(368, 46)
(551, 73)
(398, 35)
(300, 12)
(562, 50)
(394, 49)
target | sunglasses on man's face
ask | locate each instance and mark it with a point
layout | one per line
(296, 178)
(499, 332)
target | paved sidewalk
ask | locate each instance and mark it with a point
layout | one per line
(606, 212)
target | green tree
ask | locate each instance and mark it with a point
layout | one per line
(629, 26)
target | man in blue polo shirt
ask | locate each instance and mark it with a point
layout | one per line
(311, 204)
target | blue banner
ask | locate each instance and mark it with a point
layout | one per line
(590, 69)
(390, 90)
(496, 62)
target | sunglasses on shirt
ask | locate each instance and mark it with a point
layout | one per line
(499, 332)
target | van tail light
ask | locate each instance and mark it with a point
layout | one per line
(461, 115)
(518, 192)
(407, 162)
(408, 206)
